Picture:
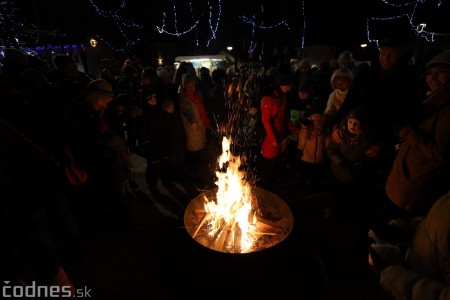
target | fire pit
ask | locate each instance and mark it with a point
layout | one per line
(236, 217)
(271, 221)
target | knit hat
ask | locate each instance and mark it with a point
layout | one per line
(341, 72)
(187, 78)
(360, 113)
(440, 59)
(100, 87)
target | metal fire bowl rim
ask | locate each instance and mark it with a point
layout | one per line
(266, 197)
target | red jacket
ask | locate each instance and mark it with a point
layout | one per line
(276, 124)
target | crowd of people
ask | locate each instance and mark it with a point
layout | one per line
(378, 128)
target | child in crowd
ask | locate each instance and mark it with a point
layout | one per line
(352, 168)
(341, 79)
(311, 145)
(299, 111)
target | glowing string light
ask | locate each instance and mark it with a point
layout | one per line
(252, 22)
(304, 25)
(216, 27)
(118, 50)
(120, 21)
(417, 29)
(252, 45)
(254, 26)
(196, 28)
(176, 33)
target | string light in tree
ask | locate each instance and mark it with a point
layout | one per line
(196, 31)
(253, 44)
(120, 21)
(118, 50)
(254, 26)
(216, 27)
(411, 10)
(175, 20)
(12, 26)
(253, 23)
(304, 25)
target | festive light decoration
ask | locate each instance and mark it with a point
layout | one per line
(14, 33)
(211, 26)
(254, 25)
(176, 33)
(26, 37)
(252, 45)
(302, 43)
(196, 31)
(120, 21)
(252, 22)
(115, 49)
(12, 26)
(411, 9)
(93, 42)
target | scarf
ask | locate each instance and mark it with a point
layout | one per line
(201, 109)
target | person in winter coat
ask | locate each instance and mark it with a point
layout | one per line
(421, 169)
(311, 143)
(278, 126)
(424, 274)
(195, 121)
(351, 166)
(341, 79)
(387, 87)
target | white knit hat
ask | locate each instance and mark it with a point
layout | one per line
(440, 59)
(341, 72)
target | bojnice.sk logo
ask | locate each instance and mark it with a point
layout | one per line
(37, 291)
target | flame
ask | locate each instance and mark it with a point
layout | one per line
(232, 216)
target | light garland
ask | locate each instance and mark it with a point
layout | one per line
(216, 27)
(121, 23)
(252, 22)
(302, 43)
(175, 25)
(418, 29)
(197, 43)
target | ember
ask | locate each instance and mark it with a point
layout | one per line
(235, 217)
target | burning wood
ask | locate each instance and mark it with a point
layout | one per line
(267, 229)
(235, 217)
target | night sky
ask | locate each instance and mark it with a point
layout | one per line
(338, 23)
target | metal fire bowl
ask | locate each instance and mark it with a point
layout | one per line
(274, 217)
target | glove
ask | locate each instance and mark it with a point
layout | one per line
(376, 262)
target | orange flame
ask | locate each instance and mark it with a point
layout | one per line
(233, 206)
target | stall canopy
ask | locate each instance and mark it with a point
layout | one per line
(211, 62)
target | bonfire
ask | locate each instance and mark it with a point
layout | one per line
(236, 217)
